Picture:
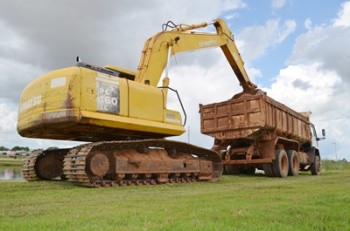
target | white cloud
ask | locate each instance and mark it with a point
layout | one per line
(343, 15)
(227, 5)
(231, 16)
(288, 28)
(9, 39)
(272, 33)
(318, 78)
(8, 119)
(15, 75)
(312, 88)
(8, 124)
(276, 4)
(325, 45)
(308, 24)
(296, 83)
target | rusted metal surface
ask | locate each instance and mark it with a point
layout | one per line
(67, 125)
(115, 163)
(28, 168)
(245, 162)
(44, 165)
(140, 163)
(253, 116)
(251, 129)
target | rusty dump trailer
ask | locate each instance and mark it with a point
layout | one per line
(255, 131)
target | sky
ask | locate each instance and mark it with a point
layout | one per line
(294, 50)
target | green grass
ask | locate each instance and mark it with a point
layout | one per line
(334, 165)
(8, 161)
(234, 203)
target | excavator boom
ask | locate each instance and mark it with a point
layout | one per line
(159, 47)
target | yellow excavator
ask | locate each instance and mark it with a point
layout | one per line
(123, 115)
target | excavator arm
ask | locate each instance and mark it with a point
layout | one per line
(158, 49)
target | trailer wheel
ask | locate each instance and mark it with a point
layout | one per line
(268, 170)
(293, 160)
(280, 166)
(316, 166)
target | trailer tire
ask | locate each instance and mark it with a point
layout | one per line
(268, 170)
(293, 161)
(316, 166)
(280, 166)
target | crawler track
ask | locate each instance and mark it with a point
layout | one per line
(28, 168)
(76, 163)
(44, 165)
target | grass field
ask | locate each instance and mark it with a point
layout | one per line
(7, 161)
(234, 203)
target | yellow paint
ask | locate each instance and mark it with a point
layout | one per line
(71, 102)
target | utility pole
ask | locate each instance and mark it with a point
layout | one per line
(335, 151)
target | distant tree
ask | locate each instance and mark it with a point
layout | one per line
(2, 148)
(344, 160)
(18, 148)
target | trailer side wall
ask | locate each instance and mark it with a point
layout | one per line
(251, 116)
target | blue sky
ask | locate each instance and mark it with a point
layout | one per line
(318, 12)
(296, 51)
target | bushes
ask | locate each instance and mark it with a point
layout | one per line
(335, 165)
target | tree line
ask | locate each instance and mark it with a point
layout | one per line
(19, 148)
(15, 148)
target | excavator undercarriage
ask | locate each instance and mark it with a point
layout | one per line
(119, 163)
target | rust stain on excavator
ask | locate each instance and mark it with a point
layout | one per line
(69, 98)
(60, 117)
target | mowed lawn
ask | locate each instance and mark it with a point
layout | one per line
(234, 203)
